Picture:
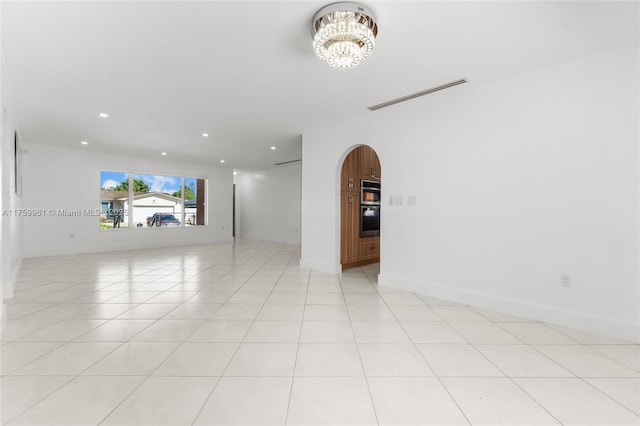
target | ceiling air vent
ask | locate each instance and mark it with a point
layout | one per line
(417, 94)
(286, 162)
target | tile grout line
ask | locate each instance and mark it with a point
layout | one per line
(295, 362)
(70, 378)
(435, 374)
(511, 379)
(505, 376)
(357, 345)
(204, 404)
(73, 377)
(97, 361)
(157, 367)
(524, 343)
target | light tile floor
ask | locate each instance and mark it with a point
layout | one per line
(240, 334)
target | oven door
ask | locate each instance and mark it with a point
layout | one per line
(369, 192)
(369, 221)
(370, 196)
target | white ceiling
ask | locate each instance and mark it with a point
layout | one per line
(245, 73)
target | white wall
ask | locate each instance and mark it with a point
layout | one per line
(58, 178)
(268, 204)
(517, 182)
(11, 230)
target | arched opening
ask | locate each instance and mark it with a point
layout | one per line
(360, 202)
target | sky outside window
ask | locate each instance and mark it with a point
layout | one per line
(110, 180)
(156, 183)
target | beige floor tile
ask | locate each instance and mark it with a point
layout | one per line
(163, 401)
(83, 401)
(247, 401)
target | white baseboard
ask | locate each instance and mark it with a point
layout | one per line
(272, 238)
(545, 313)
(320, 266)
(9, 287)
(3, 317)
(118, 246)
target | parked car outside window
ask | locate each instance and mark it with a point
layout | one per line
(162, 219)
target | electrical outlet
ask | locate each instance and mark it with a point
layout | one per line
(565, 280)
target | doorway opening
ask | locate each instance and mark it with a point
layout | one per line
(360, 205)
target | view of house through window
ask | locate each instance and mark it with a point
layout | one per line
(114, 194)
(156, 201)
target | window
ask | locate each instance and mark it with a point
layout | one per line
(114, 197)
(194, 190)
(156, 201)
(135, 200)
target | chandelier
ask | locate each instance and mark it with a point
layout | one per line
(344, 34)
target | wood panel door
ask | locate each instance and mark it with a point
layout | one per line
(369, 164)
(377, 169)
(349, 227)
(350, 180)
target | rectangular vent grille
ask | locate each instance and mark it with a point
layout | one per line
(417, 94)
(287, 162)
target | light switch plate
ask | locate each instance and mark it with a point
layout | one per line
(396, 200)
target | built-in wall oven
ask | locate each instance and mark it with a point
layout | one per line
(369, 208)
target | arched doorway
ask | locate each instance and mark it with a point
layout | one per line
(360, 189)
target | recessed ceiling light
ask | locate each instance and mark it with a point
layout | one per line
(104, 115)
(273, 148)
(84, 143)
(163, 153)
(222, 161)
(235, 173)
(205, 135)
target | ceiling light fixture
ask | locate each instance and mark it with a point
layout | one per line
(273, 148)
(222, 161)
(84, 143)
(104, 115)
(344, 34)
(205, 135)
(163, 153)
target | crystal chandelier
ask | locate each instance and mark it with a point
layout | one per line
(344, 34)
